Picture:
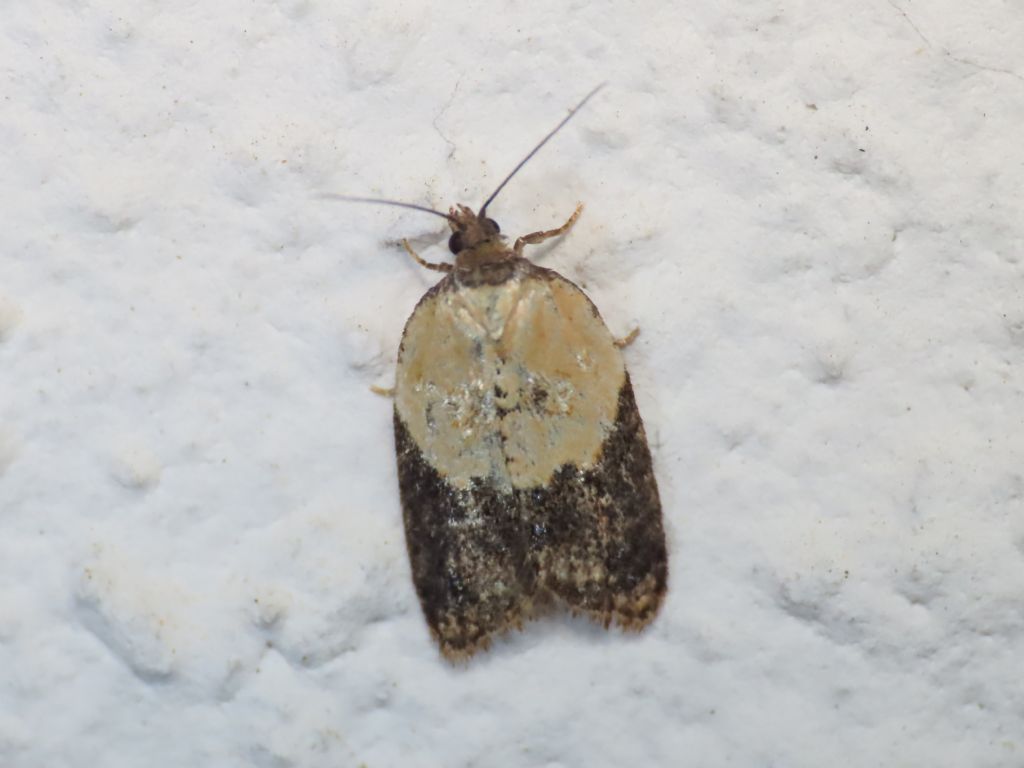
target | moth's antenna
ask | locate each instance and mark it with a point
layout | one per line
(525, 160)
(381, 201)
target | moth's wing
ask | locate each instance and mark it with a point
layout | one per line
(603, 547)
(523, 466)
(465, 535)
(468, 553)
(599, 542)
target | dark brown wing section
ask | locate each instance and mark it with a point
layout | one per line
(482, 559)
(601, 543)
(468, 551)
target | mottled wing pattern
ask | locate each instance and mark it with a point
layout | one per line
(598, 542)
(469, 553)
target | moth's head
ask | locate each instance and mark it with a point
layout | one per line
(469, 229)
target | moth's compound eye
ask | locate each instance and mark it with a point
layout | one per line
(455, 242)
(492, 226)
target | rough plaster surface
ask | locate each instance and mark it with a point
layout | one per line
(812, 210)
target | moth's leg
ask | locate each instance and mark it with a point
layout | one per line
(628, 339)
(382, 391)
(437, 267)
(540, 237)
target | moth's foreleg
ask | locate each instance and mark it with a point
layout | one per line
(436, 266)
(540, 237)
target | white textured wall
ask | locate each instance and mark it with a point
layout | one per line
(813, 210)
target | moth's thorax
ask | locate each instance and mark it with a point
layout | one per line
(490, 262)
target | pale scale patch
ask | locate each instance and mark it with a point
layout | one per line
(508, 382)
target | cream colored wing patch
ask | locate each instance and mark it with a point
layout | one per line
(508, 382)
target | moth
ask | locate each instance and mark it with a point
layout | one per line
(524, 472)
